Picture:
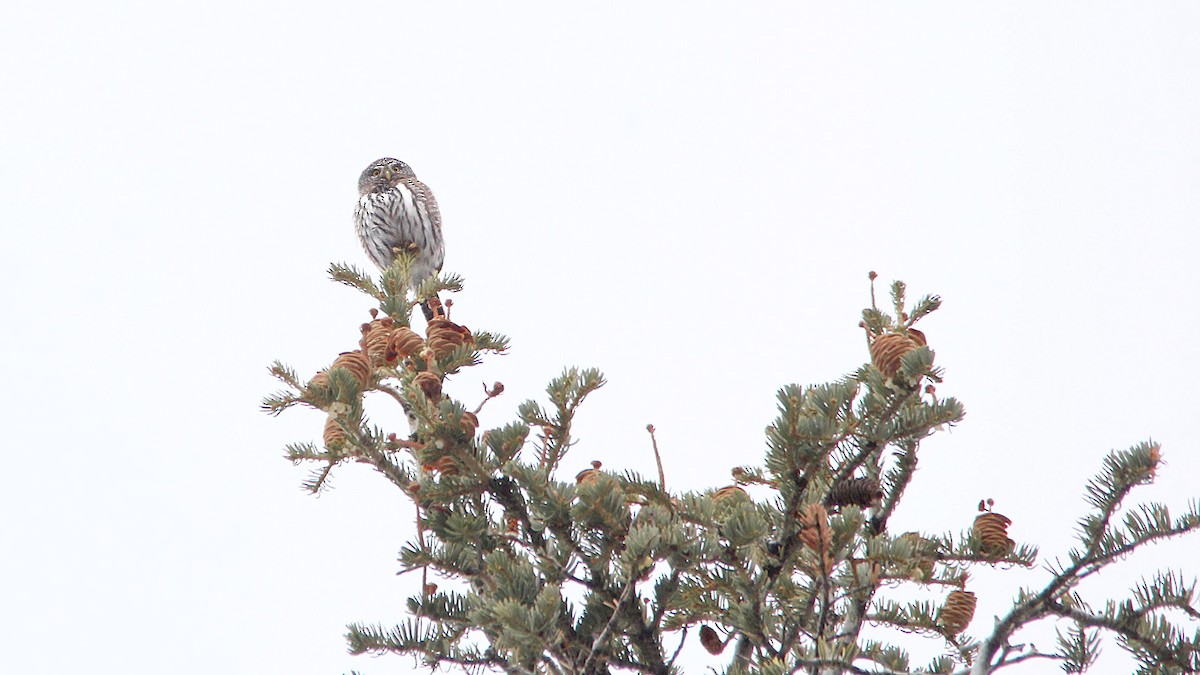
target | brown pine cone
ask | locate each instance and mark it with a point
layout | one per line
(445, 465)
(731, 493)
(469, 423)
(403, 344)
(814, 524)
(321, 379)
(376, 336)
(956, 614)
(860, 492)
(816, 535)
(430, 384)
(589, 474)
(357, 364)
(992, 530)
(889, 348)
(444, 336)
(711, 641)
(334, 436)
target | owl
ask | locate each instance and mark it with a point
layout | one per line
(397, 212)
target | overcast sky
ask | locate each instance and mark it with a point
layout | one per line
(687, 196)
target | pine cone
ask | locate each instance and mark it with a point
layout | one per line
(445, 465)
(430, 384)
(403, 344)
(711, 641)
(814, 528)
(923, 571)
(731, 493)
(816, 535)
(589, 474)
(992, 530)
(956, 614)
(321, 379)
(469, 423)
(335, 436)
(860, 492)
(357, 364)
(445, 336)
(376, 336)
(889, 348)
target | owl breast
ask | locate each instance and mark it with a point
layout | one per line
(404, 217)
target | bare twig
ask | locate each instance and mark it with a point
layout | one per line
(662, 479)
(682, 639)
(496, 389)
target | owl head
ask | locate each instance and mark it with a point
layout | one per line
(383, 174)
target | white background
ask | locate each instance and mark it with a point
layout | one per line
(688, 196)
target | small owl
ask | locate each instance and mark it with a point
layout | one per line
(398, 212)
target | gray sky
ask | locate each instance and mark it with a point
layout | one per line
(688, 196)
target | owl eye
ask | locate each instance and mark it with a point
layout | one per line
(375, 173)
(395, 167)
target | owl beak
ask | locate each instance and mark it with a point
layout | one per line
(387, 174)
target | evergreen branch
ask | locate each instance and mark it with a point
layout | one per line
(800, 479)
(1004, 660)
(279, 401)
(406, 637)
(282, 400)
(1128, 631)
(917, 616)
(384, 465)
(504, 490)
(1166, 591)
(598, 643)
(1120, 546)
(662, 593)
(566, 392)
(518, 538)
(898, 479)
(917, 423)
(355, 278)
(923, 307)
(875, 322)
(1122, 472)
(635, 666)
(318, 480)
(1078, 649)
(792, 634)
(490, 342)
(285, 374)
(966, 551)
(431, 286)
(870, 445)
(463, 356)
(898, 288)
(301, 452)
(841, 666)
(888, 656)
